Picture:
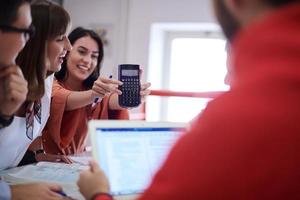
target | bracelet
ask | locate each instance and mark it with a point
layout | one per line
(5, 116)
(100, 194)
(39, 151)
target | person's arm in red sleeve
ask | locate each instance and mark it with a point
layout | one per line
(102, 196)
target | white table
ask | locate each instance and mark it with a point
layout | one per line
(64, 174)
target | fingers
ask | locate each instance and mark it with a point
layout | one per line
(15, 97)
(59, 158)
(13, 89)
(94, 166)
(110, 81)
(65, 159)
(13, 69)
(53, 158)
(53, 192)
(14, 84)
(145, 93)
(54, 187)
(145, 86)
(104, 86)
(141, 71)
(144, 89)
(54, 195)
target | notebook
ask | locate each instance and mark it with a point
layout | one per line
(130, 152)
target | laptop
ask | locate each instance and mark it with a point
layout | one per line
(131, 152)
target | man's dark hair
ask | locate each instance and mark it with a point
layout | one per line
(276, 3)
(76, 34)
(9, 10)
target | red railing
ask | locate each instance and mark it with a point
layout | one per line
(168, 93)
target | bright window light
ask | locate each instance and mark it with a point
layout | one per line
(196, 65)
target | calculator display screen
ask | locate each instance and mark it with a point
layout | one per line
(129, 72)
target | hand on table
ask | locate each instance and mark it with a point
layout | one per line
(36, 191)
(93, 181)
(52, 158)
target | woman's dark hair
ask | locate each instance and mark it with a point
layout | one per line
(50, 21)
(9, 10)
(76, 34)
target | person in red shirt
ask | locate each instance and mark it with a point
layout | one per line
(246, 144)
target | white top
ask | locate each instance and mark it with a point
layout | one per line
(5, 193)
(13, 139)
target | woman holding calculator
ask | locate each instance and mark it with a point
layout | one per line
(79, 94)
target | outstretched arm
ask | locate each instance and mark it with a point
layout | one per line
(102, 86)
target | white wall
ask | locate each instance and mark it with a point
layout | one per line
(100, 13)
(143, 13)
(131, 22)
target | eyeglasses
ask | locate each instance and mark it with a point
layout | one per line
(27, 32)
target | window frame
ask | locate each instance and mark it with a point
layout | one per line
(165, 34)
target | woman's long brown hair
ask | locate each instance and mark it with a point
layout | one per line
(50, 20)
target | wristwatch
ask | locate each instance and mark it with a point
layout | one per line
(4, 122)
(39, 151)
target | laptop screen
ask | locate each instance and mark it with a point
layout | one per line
(131, 156)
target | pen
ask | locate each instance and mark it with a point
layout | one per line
(62, 193)
(96, 99)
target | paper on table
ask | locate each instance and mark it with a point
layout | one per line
(50, 172)
(81, 160)
(64, 174)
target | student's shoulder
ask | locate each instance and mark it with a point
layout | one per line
(58, 90)
(234, 105)
(228, 113)
(57, 84)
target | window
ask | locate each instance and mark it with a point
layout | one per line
(192, 62)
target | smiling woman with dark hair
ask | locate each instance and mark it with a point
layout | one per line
(75, 35)
(75, 90)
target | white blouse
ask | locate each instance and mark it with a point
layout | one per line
(13, 139)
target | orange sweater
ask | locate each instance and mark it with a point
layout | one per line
(65, 131)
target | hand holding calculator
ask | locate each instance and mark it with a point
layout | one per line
(129, 74)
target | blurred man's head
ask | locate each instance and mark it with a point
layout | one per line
(234, 14)
(15, 20)
(229, 24)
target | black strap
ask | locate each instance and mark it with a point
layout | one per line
(28, 158)
(5, 122)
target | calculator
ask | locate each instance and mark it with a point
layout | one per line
(129, 74)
